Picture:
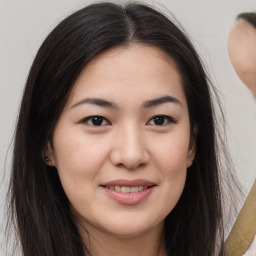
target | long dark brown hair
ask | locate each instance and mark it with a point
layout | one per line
(39, 207)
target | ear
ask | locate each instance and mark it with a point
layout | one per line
(192, 147)
(49, 156)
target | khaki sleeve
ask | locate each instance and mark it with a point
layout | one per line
(244, 229)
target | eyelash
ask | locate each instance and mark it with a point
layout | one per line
(101, 119)
(89, 119)
(167, 120)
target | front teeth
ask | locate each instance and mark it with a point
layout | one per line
(124, 189)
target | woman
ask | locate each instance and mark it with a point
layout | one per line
(115, 150)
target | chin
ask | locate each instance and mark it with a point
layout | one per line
(129, 232)
(132, 227)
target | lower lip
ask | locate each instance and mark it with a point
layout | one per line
(129, 198)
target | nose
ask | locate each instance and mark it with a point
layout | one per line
(129, 149)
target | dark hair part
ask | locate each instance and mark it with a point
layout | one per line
(39, 206)
(250, 17)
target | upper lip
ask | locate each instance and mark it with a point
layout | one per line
(129, 183)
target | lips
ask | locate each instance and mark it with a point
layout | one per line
(129, 183)
(128, 191)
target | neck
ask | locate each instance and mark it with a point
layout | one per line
(100, 243)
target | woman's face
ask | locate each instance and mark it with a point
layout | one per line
(122, 143)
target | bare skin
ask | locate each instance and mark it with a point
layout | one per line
(242, 51)
(142, 245)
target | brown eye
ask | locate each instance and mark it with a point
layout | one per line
(161, 120)
(95, 121)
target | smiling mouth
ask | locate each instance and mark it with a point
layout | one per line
(128, 192)
(126, 189)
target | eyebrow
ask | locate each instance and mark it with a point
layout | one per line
(161, 100)
(96, 101)
(147, 104)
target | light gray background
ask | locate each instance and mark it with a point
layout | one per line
(24, 24)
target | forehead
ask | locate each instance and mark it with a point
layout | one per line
(121, 62)
(133, 70)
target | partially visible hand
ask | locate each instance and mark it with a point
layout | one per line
(242, 50)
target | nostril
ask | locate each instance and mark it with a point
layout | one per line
(129, 156)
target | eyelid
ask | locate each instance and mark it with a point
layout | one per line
(169, 120)
(87, 119)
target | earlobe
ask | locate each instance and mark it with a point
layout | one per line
(49, 161)
(191, 156)
(48, 156)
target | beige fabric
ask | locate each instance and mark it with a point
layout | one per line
(252, 250)
(244, 229)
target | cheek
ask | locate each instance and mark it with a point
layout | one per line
(174, 171)
(171, 155)
(78, 161)
(79, 153)
(171, 162)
